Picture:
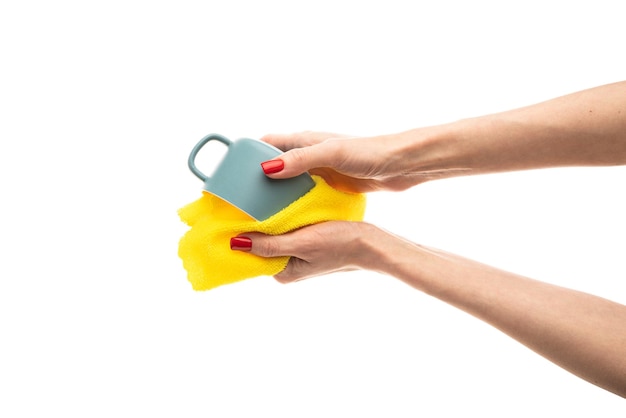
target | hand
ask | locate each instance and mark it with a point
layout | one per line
(315, 250)
(586, 128)
(346, 163)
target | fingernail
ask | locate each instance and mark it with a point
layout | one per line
(273, 166)
(240, 244)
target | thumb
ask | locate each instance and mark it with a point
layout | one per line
(275, 246)
(298, 160)
(263, 245)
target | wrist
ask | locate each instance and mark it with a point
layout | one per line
(392, 255)
(372, 244)
(433, 152)
(384, 252)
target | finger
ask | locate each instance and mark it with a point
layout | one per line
(285, 142)
(274, 246)
(263, 245)
(301, 160)
(295, 270)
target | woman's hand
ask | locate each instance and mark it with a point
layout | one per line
(346, 163)
(582, 333)
(315, 250)
(586, 128)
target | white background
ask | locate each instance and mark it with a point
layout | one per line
(100, 106)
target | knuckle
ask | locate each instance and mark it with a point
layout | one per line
(269, 247)
(335, 150)
(298, 156)
(307, 138)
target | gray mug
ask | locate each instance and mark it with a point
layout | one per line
(239, 178)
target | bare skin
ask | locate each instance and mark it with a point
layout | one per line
(587, 128)
(582, 333)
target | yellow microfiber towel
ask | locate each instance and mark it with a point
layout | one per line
(205, 248)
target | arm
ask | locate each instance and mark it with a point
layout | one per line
(586, 128)
(581, 333)
(584, 334)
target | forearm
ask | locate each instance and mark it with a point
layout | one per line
(584, 334)
(587, 128)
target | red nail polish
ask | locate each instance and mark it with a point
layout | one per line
(240, 244)
(273, 166)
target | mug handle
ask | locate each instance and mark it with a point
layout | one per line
(192, 157)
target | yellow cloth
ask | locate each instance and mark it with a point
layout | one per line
(205, 248)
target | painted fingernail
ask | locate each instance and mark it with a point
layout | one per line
(240, 244)
(273, 166)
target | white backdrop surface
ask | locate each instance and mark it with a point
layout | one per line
(101, 103)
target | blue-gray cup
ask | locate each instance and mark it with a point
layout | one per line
(239, 179)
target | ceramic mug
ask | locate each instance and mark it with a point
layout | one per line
(239, 178)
